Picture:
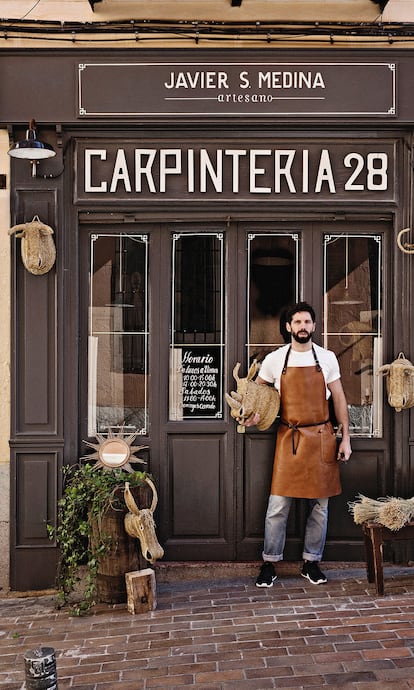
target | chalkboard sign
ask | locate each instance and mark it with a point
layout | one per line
(201, 370)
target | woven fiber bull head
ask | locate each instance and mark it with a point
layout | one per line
(252, 397)
(400, 382)
(38, 248)
(140, 523)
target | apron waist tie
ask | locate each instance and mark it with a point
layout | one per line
(295, 429)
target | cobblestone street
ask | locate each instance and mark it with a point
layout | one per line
(226, 635)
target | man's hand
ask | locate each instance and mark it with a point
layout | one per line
(344, 450)
(250, 421)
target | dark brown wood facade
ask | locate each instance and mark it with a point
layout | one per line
(213, 482)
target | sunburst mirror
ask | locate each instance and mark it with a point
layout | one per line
(114, 450)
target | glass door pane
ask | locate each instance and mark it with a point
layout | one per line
(118, 334)
(197, 333)
(273, 284)
(353, 323)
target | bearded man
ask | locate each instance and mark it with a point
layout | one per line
(306, 456)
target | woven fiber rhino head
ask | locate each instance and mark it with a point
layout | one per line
(252, 397)
(38, 248)
(400, 382)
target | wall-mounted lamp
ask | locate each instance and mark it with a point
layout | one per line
(31, 148)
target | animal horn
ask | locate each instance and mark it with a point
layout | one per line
(154, 494)
(233, 403)
(383, 370)
(17, 228)
(129, 500)
(236, 372)
(252, 370)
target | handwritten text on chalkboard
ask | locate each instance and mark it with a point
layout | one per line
(201, 372)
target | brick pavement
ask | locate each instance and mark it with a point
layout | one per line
(226, 635)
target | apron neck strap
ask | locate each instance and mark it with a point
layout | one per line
(318, 366)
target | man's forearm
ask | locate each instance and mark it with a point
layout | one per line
(342, 416)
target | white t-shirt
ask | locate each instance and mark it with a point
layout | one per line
(272, 365)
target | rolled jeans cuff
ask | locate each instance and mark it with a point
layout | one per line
(271, 558)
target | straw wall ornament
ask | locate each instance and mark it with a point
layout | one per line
(251, 398)
(405, 247)
(37, 248)
(390, 511)
(400, 382)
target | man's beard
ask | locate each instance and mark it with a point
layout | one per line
(301, 338)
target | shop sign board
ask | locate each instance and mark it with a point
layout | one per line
(277, 89)
(284, 170)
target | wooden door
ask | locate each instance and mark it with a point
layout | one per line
(211, 295)
(340, 271)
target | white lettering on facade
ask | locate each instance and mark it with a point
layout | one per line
(255, 171)
(235, 154)
(325, 173)
(89, 155)
(120, 172)
(244, 80)
(245, 98)
(291, 80)
(145, 170)
(197, 80)
(216, 175)
(174, 169)
(251, 171)
(285, 170)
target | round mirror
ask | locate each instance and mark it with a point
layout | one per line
(114, 452)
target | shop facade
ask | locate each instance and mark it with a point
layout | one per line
(194, 195)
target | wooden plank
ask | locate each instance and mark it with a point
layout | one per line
(141, 591)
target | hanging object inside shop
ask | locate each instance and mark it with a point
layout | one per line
(381, 4)
(31, 149)
(344, 297)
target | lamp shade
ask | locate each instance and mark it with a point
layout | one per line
(31, 148)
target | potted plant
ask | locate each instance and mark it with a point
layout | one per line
(90, 528)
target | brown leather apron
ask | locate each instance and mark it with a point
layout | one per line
(305, 464)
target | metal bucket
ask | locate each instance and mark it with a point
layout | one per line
(40, 669)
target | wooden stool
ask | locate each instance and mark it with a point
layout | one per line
(374, 536)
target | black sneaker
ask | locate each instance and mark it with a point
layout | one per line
(267, 575)
(313, 573)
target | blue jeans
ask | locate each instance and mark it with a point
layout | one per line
(275, 528)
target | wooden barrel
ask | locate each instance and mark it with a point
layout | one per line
(123, 556)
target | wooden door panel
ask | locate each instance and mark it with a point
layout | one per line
(36, 430)
(33, 562)
(199, 495)
(363, 474)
